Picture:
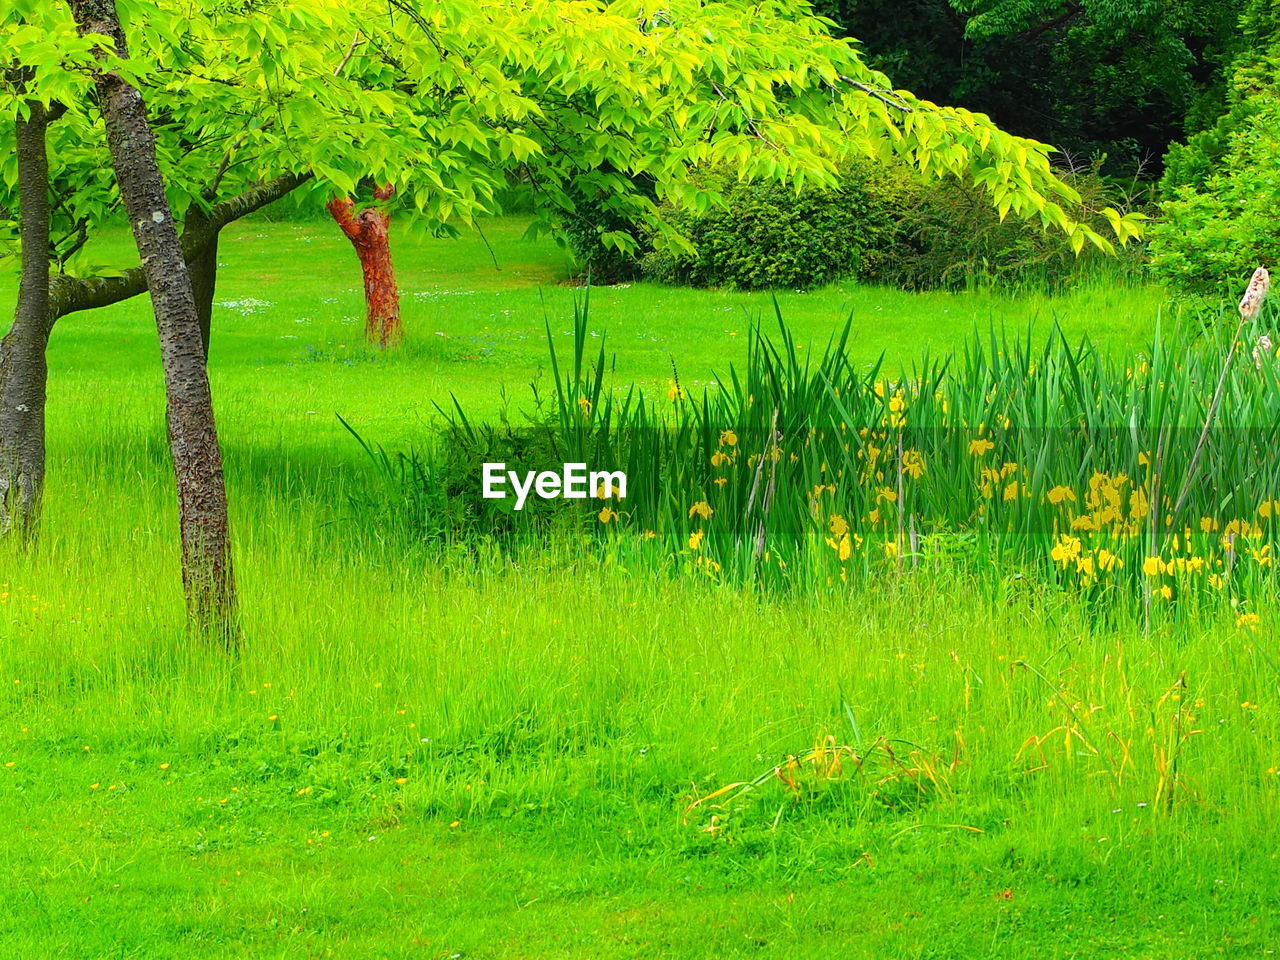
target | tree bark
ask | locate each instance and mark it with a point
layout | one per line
(23, 369)
(43, 299)
(202, 262)
(193, 437)
(369, 233)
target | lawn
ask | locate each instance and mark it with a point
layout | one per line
(476, 753)
(290, 300)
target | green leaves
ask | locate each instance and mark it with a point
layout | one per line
(460, 101)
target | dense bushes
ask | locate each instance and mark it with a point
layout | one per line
(949, 236)
(879, 225)
(768, 236)
(1223, 186)
(603, 231)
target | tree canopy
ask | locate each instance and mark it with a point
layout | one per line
(459, 104)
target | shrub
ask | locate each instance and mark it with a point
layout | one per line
(881, 225)
(949, 236)
(599, 219)
(767, 236)
(1222, 188)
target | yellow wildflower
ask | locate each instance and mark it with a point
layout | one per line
(728, 438)
(1139, 506)
(980, 447)
(1059, 494)
(701, 509)
(606, 515)
(913, 464)
(695, 539)
(1065, 550)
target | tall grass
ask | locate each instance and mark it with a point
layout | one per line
(1114, 477)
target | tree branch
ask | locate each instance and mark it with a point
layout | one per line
(1073, 10)
(73, 294)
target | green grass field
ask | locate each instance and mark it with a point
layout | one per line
(464, 753)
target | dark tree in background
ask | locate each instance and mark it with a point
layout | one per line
(1120, 77)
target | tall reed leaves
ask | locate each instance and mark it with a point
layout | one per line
(1055, 456)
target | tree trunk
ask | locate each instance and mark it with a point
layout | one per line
(369, 233)
(203, 265)
(23, 370)
(193, 437)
